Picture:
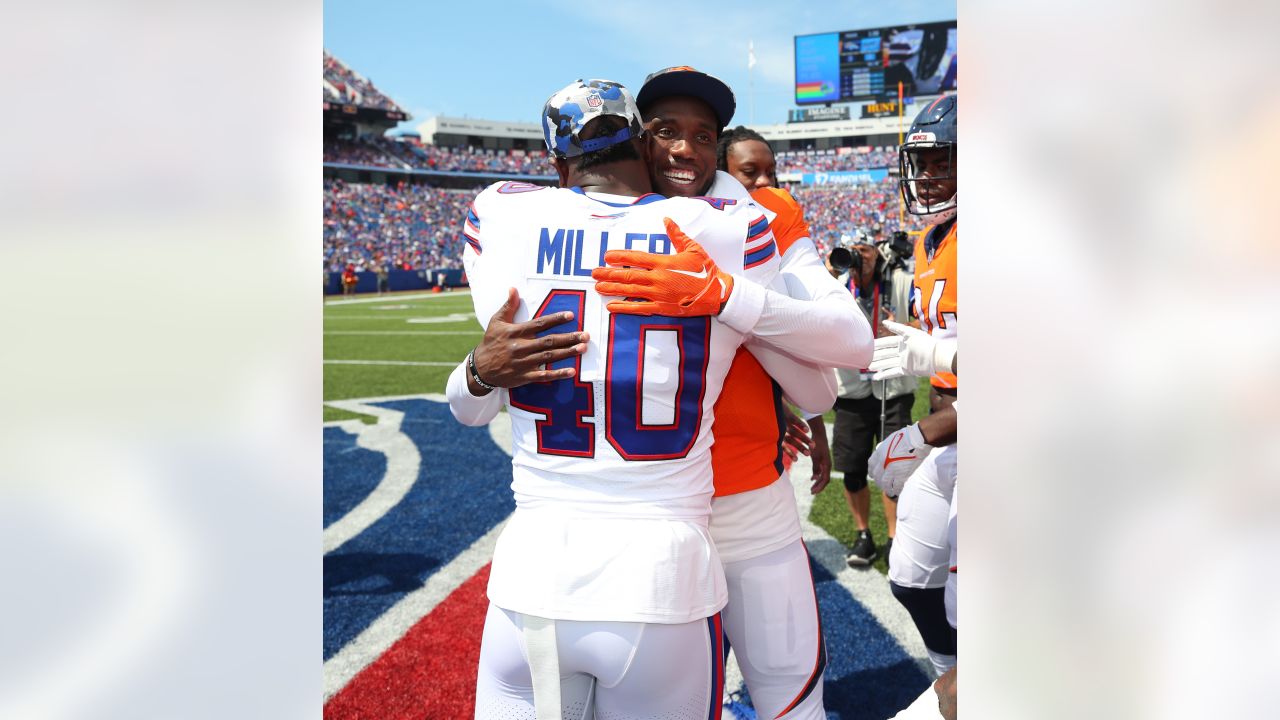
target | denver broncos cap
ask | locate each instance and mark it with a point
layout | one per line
(684, 80)
(569, 110)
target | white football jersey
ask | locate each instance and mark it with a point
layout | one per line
(629, 437)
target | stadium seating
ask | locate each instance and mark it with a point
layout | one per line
(417, 226)
(411, 227)
(843, 211)
(360, 153)
(386, 152)
(346, 86)
(803, 161)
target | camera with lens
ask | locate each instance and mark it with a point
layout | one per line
(896, 250)
(893, 252)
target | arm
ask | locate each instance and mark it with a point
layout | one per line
(809, 387)
(821, 455)
(898, 455)
(945, 687)
(940, 428)
(909, 351)
(817, 319)
(466, 407)
(509, 355)
(824, 329)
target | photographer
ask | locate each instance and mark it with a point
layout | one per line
(877, 272)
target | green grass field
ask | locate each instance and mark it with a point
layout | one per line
(403, 344)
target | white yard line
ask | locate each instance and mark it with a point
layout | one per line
(866, 585)
(451, 318)
(394, 298)
(395, 622)
(390, 362)
(392, 625)
(477, 331)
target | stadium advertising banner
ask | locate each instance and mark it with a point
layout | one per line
(857, 65)
(856, 177)
(880, 109)
(818, 114)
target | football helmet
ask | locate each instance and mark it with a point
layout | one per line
(933, 129)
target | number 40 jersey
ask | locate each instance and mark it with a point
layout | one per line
(629, 437)
(631, 432)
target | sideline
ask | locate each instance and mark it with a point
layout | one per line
(390, 297)
(389, 362)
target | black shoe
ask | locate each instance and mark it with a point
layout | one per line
(863, 551)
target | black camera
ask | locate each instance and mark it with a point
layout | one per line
(842, 258)
(893, 252)
(896, 249)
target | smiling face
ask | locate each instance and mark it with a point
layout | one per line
(752, 163)
(682, 134)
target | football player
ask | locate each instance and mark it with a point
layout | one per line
(911, 352)
(772, 618)
(919, 559)
(605, 575)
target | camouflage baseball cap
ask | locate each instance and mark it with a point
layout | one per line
(569, 110)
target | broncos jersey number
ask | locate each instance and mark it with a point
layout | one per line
(655, 379)
(934, 317)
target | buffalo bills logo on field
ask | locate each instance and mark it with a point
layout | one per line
(413, 506)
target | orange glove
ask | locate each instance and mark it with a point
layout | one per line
(687, 284)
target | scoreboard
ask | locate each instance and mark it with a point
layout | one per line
(856, 65)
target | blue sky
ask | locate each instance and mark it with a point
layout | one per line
(500, 61)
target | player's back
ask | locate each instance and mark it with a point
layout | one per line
(611, 468)
(630, 434)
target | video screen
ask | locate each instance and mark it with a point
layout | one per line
(868, 64)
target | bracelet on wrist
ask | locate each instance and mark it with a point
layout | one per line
(471, 370)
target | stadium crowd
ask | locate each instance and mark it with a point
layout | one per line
(433, 157)
(387, 152)
(416, 226)
(828, 161)
(832, 212)
(406, 226)
(360, 153)
(344, 85)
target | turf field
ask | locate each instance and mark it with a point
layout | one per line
(394, 345)
(414, 502)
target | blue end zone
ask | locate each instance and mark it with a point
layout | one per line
(868, 673)
(463, 489)
(350, 473)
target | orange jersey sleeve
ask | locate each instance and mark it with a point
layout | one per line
(748, 429)
(788, 225)
(935, 293)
